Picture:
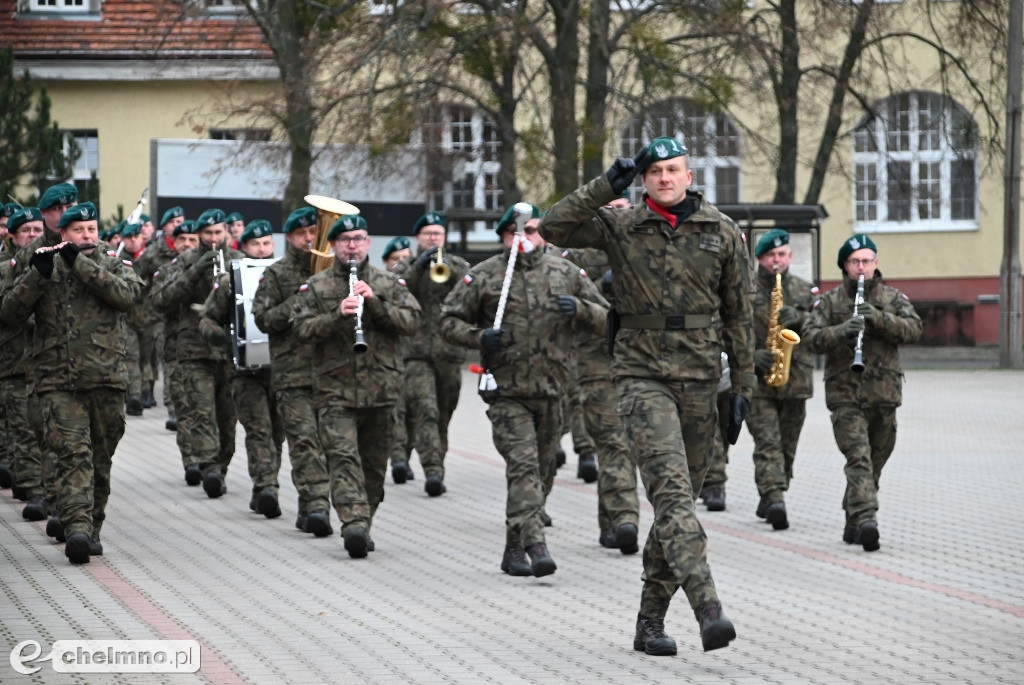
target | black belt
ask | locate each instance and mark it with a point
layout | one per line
(673, 322)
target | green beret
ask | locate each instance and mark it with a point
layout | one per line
(257, 228)
(664, 148)
(211, 217)
(144, 218)
(103, 235)
(858, 241)
(232, 217)
(303, 217)
(83, 212)
(771, 240)
(349, 222)
(172, 213)
(60, 194)
(9, 209)
(188, 226)
(508, 219)
(131, 229)
(429, 219)
(116, 230)
(23, 215)
(395, 244)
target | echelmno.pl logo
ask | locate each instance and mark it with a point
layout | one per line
(108, 656)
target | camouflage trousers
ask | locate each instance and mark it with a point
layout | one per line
(82, 429)
(167, 355)
(208, 414)
(671, 427)
(264, 433)
(866, 436)
(526, 432)
(134, 372)
(20, 442)
(617, 500)
(356, 442)
(309, 465)
(430, 396)
(719, 459)
(401, 440)
(149, 360)
(574, 420)
(174, 390)
(775, 425)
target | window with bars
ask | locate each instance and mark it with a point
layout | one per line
(67, 6)
(711, 137)
(915, 166)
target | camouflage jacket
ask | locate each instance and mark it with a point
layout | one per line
(359, 380)
(427, 342)
(591, 348)
(881, 382)
(186, 283)
(15, 338)
(540, 359)
(161, 277)
(291, 359)
(79, 338)
(796, 292)
(156, 255)
(699, 269)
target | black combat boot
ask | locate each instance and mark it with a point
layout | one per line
(716, 631)
(148, 399)
(398, 472)
(171, 423)
(300, 521)
(36, 510)
(95, 546)
(319, 523)
(650, 637)
(214, 485)
(626, 538)
(266, 503)
(850, 533)
(514, 562)
(714, 497)
(776, 515)
(541, 562)
(762, 508)
(134, 406)
(559, 458)
(356, 540)
(434, 486)
(607, 539)
(54, 529)
(76, 549)
(193, 474)
(6, 476)
(252, 500)
(587, 468)
(867, 536)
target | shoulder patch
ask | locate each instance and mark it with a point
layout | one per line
(904, 296)
(583, 273)
(13, 261)
(565, 253)
(817, 302)
(304, 287)
(111, 253)
(216, 285)
(174, 261)
(155, 274)
(126, 262)
(815, 290)
(401, 282)
(467, 279)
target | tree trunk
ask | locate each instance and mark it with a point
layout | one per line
(596, 90)
(787, 91)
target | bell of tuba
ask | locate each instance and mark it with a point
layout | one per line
(328, 210)
(439, 271)
(781, 341)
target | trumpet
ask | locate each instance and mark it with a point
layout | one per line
(858, 351)
(353, 278)
(328, 210)
(439, 271)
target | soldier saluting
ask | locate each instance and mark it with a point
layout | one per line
(79, 297)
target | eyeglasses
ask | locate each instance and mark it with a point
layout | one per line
(432, 234)
(531, 230)
(861, 262)
(352, 239)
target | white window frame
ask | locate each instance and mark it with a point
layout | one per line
(64, 6)
(88, 161)
(922, 163)
(707, 164)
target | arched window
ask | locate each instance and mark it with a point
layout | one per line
(915, 166)
(712, 139)
(461, 147)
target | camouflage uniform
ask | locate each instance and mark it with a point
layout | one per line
(153, 258)
(525, 409)
(617, 500)
(670, 285)
(292, 373)
(207, 410)
(433, 367)
(80, 372)
(777, 414)
(863, 405)
(252, 396)
(355, 392)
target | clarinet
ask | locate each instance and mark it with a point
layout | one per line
(858, 351)
(353, 277)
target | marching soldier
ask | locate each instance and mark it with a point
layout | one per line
(862, 398)
(354, 313)
(530, 359)
(678, 263)
(207, 411)
(395, 252)
(250, 388)
(292, 370)
(132, 247)
(433, 367)
(79, 297)
(397, 249)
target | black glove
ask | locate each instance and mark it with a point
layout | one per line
(872, 315)
(764, 359)
(427, 256)
(738, 408)
(851, 328)
(789, 316)
(69, 252)
(205, 261)
(623, 170)
(492, 341)
(606, 282)
(42, 262)
(567, 303)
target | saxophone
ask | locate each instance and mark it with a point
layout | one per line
(780, 341)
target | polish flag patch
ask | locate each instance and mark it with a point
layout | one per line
(467, 279)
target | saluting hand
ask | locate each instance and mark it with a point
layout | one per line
(623, 170)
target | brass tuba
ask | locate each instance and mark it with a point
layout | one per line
(780, 341)
(328, 210)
